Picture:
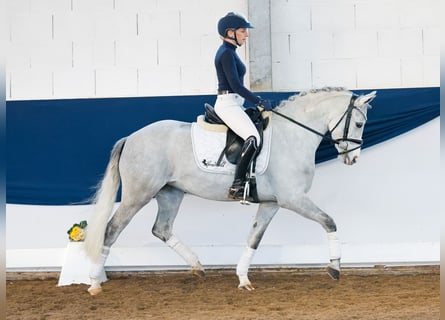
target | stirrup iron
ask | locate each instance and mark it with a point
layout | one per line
(246, 193)
(244, 200)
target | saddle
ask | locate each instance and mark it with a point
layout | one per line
(234, 143)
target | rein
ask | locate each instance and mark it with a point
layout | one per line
(347, 114)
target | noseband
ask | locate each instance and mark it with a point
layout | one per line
(345, 138)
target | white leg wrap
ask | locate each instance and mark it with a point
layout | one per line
(98, 267)
(188, 255)
(244, 263)
(334, 246)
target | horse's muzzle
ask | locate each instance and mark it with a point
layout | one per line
(348, 160)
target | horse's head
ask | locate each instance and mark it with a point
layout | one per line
(347, 128)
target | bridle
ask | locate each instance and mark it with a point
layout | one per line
(348, 115)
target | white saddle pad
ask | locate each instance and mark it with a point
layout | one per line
(208, 145)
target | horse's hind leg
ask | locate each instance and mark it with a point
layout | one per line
(305, 207)
(118, 222)
(169, 199)
(266, 211)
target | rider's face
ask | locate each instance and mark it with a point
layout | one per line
(241, 35)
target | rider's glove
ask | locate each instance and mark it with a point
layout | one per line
(265, 104)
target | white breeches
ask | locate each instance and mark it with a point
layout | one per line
(229, 107)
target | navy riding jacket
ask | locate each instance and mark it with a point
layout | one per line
(230, 71)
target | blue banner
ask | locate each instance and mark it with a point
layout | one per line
(57, 150)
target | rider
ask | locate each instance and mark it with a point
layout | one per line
(230, 71)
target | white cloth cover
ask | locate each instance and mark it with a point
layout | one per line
(208, 145)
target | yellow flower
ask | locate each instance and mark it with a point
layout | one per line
(77, 234)
(77, 231)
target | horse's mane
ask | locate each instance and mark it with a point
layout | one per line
(312, 96)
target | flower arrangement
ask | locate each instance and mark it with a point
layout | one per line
(77, 231)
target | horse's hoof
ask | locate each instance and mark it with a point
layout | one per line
(334, 273)
(199, 273)
(245, 284)
(94, 291)
(247, 287)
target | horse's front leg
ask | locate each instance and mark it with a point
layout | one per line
(266, 211)
(305, 207)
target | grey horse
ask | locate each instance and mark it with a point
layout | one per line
(157, 161)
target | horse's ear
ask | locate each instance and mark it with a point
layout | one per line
(362, 100)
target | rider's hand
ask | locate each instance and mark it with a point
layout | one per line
(265, 104)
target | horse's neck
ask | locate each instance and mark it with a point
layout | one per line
(313, 114)
(314, 119)
(318, 111)
(289, 135)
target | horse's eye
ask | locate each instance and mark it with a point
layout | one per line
(359, 124)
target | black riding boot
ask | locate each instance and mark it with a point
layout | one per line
(248, 151)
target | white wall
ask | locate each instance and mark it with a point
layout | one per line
(108, 48)
(383, 217)
(355, 44)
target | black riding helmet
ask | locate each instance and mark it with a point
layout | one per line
(232, 21)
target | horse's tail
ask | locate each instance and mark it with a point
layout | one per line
(104, 201)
